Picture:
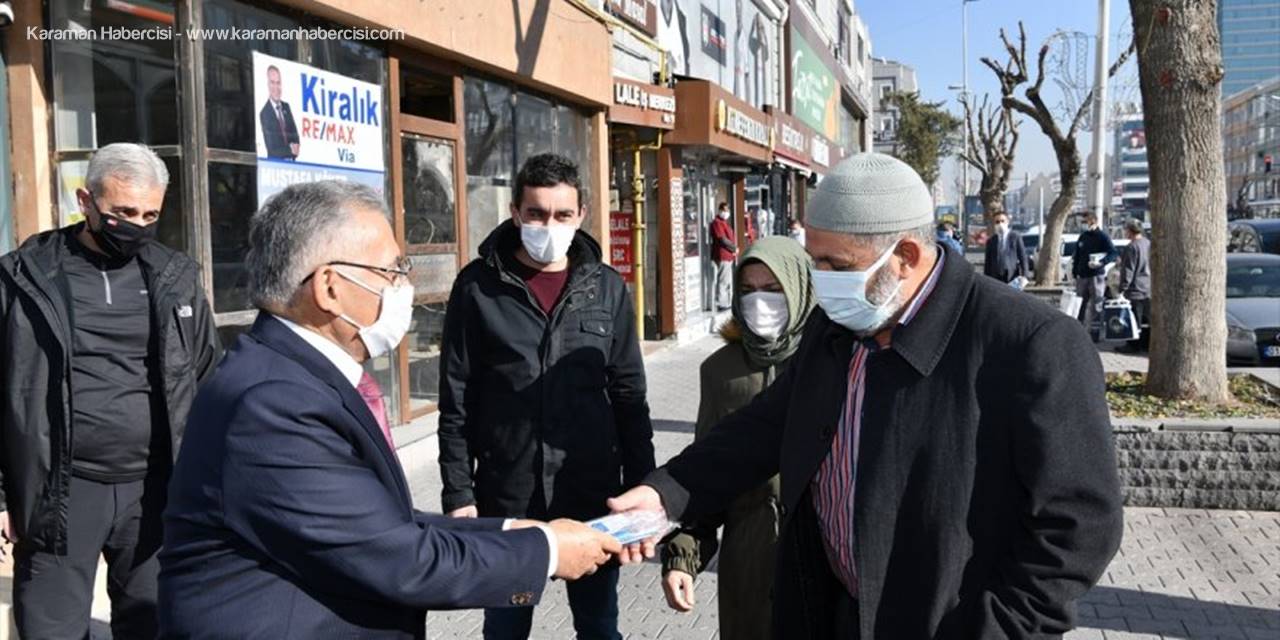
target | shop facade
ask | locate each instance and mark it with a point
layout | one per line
(639, 119)
(448, 111)
(719, 143)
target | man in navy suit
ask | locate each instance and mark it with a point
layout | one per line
(1006, 258)
(279, 131)
(289, 515)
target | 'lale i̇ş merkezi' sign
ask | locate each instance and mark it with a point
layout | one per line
(315, 125)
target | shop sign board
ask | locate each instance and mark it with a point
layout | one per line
(314, 124)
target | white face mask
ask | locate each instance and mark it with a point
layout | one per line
(547, 243)
(843, 296)
(394, 317)
(723, 215)
(1002, 228)
(766, 314)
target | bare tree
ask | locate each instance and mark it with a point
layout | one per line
(1015, 73)
(993, 138)
(1180, 74)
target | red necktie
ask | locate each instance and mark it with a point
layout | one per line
(371, 393)
(284, 132)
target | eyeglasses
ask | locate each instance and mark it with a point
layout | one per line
(396, 275)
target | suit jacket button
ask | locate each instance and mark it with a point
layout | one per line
(522, 599)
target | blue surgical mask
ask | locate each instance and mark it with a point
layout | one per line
(843, 296)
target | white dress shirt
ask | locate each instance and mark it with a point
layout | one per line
(352, 371)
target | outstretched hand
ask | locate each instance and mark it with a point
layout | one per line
(641, 498)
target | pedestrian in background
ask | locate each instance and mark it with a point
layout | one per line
(945, 451)
(724, 251)
(1135, 282)
(1006, 256)
(104, 336)
(1094, 251)
(796, 231)
(542, 386)
(771, 306)
(947, 238)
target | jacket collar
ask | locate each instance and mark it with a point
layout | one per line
(41, 255)
(921, 342)
(498, 251)
(272, 333)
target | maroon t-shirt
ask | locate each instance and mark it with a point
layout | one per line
(545, 285)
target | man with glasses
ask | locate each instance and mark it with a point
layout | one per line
(104, 335)
(289, 514)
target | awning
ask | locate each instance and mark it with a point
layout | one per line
(800, 168)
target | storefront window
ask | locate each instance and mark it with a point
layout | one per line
(495, 149)
(427, 181)
(426, 94)
(117, 91)
(425, 336)
(231, 116)
(228, 63)
(849, 126)
(233, 198)
(490, 157)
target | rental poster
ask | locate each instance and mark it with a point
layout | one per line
(312, 124)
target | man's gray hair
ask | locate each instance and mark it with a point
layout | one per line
(127, 162)
(298, 230)
(881, 242)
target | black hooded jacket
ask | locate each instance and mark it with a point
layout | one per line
(541, 416)
(35, 364)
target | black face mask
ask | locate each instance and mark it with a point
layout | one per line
(120, 238)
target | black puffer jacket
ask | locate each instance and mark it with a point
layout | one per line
(35, 381)
(529, 401)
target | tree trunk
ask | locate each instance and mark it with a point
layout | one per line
(1050, 256)
(1180, 73)
(992, 201)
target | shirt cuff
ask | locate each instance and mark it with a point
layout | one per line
(553, 555)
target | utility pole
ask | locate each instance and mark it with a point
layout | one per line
(964, 95)
(1097, 171)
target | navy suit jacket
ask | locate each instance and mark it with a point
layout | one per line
(278, 141)
(289, 516)
(1008, 264)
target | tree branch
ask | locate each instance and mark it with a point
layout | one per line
(1078, 120)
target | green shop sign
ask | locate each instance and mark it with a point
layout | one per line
(815, 95)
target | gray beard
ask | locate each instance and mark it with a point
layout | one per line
(882, 285)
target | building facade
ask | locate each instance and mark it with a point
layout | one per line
(1250, 42)
(449, 106)
(889, 77)
(766, 95)
(669, 106)
(1130, 177)
(1251, 149)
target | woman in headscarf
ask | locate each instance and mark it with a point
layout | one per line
(770, 308)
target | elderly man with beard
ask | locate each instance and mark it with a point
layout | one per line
(944, 447)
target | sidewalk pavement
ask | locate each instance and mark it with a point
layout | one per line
(1180, 573)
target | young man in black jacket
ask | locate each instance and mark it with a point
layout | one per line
(542, 385)
(1094, 251)
(104, 335)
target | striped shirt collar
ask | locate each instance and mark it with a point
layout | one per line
(925, 290)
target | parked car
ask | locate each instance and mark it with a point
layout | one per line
(1253, 308)
(1031, 240)
(1254, 236)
